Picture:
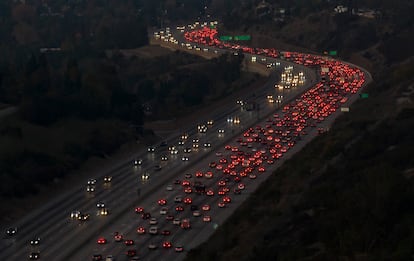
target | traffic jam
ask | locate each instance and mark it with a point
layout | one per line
(192, 198)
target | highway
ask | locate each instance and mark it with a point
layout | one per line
(65, 239)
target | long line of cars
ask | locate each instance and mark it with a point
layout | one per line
(190, 201)
(251, 154)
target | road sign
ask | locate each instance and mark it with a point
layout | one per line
(226, 38)
(333, 53)
(242, 37)
(364, 95)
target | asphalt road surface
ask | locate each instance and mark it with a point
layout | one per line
(63, 238)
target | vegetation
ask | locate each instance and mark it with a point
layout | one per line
(84, 97)
(346, 195)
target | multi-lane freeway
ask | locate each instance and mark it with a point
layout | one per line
(229, 147)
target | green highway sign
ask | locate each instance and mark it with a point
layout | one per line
(333, 53)
(242, 37)
(226, 38)
(364, 95)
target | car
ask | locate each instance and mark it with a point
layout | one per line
(205, 207)
(220, 131)
(11, 231)
(110, 258)
(151, 149)
(152, 246)
(91, 181)
(196, 213)
(184, 158)
(219, 154)
(103, 212)
(226, 199)
(138, 162)
(164, 211)
(101, 241)
(210, 122)
(162, 202)
(207, 219)
(178, 199)
(208, 174)
(145, 176)
(129, 242)
(185, 183)
(35, 256)
(207, 145)
(181, 143)
(187, 150)
(221, 204)
(35, 241)
(188, 190)
(153, 221)
(237, 191)
(135, 258)
(169, 217)
(157, 167)
(177, 182)
(75, 214)
(139, 210)
(212, 164)
(153, 230)
(107, 179)
(96, 257)
(188, 176)
(164, 158)
(118, 237)
(141, 230)
(166, 232)
(241, 186)
(210, 192)
(187, 200)
(100, 205)
(199, 174)
(169, 187)
(166, 244)
(146, 215)
(131, 252)
(179, 208)
(176, 221)
(90, 188)
(185, 223)
(179, 248)
(83, 217)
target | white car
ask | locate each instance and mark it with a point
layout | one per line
(196, 213)
(178, 199)
(177, 221)
(169, 187)
(153, 230)
(153, 221)
(164, 211)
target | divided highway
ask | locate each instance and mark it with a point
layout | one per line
(237, 147)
